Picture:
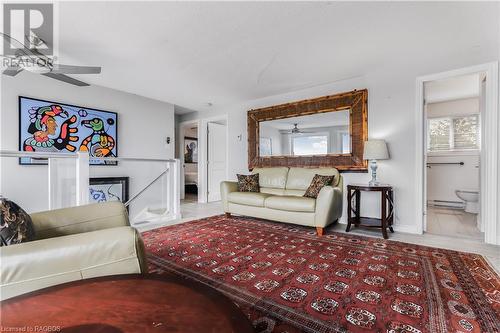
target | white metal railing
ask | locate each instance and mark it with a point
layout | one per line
(68, 182)
(43, 155)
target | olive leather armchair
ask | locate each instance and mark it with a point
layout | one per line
(72, 244)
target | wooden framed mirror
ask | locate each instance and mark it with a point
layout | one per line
(328, 131)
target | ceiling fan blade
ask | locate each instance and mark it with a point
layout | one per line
(68, 69)
(21, 49)
(67, 79)
(12, 71)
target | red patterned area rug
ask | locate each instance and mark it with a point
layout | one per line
(287, 279)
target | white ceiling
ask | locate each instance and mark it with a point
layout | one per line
(327, 119)
(195, 53)
(453, 88)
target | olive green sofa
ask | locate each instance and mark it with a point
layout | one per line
(281, 197)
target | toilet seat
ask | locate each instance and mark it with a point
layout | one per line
(468, 191)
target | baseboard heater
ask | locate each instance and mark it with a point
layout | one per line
(446, 203)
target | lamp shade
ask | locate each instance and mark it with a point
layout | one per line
(375, 150)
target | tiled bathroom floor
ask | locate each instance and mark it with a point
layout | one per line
(452, 222)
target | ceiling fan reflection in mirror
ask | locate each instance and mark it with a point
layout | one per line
(29, 59)
(297, 130)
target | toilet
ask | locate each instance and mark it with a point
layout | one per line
(471, 198)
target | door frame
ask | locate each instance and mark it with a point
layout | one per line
(203, 154)
(180, 147)
(489, 149)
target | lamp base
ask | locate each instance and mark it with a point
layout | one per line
(374, 181)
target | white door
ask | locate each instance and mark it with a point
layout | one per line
(216, 163)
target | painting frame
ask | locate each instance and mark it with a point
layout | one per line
(103, 181)
(45, 161)
(194, 159)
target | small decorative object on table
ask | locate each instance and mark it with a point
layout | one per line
(354, 204)
(375, 150)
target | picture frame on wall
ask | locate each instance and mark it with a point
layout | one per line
(190, 150)
(104, 189)
(52, 127)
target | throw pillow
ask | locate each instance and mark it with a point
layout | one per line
(248, 183)
(317, 183)
(15, 224)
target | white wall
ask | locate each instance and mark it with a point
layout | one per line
(443, 180)
(391, 107)
(143, 125)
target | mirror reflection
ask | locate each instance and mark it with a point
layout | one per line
(316, 134)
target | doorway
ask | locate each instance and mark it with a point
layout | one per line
(457, 153)
(452, 109)
(189, 156)
(211, 159)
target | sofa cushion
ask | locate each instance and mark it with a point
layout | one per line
(272, 177)
(297, 193)
(317, 184)
(291, 203)
(300, 178)
(248, 183)
(248, 198)
(15, 224)
(273, 191)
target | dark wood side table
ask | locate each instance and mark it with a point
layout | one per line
(354, 206)
(123, 304)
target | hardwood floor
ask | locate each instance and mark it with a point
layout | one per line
(193, 211)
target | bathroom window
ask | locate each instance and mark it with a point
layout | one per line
(453, 133)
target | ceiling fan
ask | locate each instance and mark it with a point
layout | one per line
(297, 130)
(31, 60)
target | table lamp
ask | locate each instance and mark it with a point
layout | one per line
(375, 150)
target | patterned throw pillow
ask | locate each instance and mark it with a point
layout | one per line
(248, 183)
(317, 184)
(15, 224)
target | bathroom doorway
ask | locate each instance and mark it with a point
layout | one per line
(189, 156)
(488, 166)
(452, 109)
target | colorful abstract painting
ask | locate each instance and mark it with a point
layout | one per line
(46, 126)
